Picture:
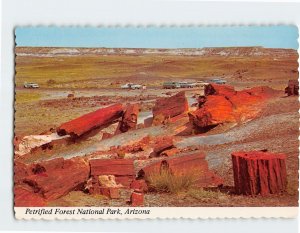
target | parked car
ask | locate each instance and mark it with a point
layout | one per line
(187, 84)
(131, 86)
(31, 85)
(171, 85)
(201, 84)
(217, 81)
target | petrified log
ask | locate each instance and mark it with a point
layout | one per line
(139, 185)
(216, 110)
(90, 121)
(292, 88)
(169, 107)
(217, 89)
(25, 197)
(137, 199)
(191, 163)
(52, 184)
(130, 117)
(162, 144)
(122, 169)
(258, 172)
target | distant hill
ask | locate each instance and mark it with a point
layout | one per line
(202, 52)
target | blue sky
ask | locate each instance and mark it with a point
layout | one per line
(158, 37)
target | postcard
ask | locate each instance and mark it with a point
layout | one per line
(156, 122)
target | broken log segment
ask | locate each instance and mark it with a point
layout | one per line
(130, 117)
(55, 181)
(258, 172)
(169, 107)
(216, 110)
(122, 169)
(81, 125)
(184, 164)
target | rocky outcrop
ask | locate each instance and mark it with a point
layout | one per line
(84, 124)
(166, 108)
(258, 172)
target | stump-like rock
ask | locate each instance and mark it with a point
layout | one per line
(258, 172)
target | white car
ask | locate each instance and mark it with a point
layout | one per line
(131, 86)
(31, 85)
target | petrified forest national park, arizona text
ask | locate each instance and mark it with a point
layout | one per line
(184, 125)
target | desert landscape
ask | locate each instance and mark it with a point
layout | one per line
(82, 140)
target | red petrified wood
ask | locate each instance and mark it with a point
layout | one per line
(169, 107)
(137, 198)
(184, 164)
(90, 121)
(258, 172)
(130, 117)
(122, 169)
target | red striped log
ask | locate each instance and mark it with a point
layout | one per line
(258, 172)
(90, 121)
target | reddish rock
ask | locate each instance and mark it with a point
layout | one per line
(21, 170)
(130, 117)
(162, 144)
(185, 163)
(110, 192)
(137, 199)
(122, 169)
(25, 197)
(170, 152)
(217, 89)
(292, 88)
(52, 184)
(216, 110)
(90, 121)
(169, 107)
(258, 172)
(139, 185)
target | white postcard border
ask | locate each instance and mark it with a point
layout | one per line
(72, 213)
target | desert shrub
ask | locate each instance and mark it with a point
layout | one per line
(167, 182)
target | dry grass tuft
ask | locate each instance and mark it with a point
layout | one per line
(167, 182)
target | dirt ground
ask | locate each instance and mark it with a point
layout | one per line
(95, 82)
